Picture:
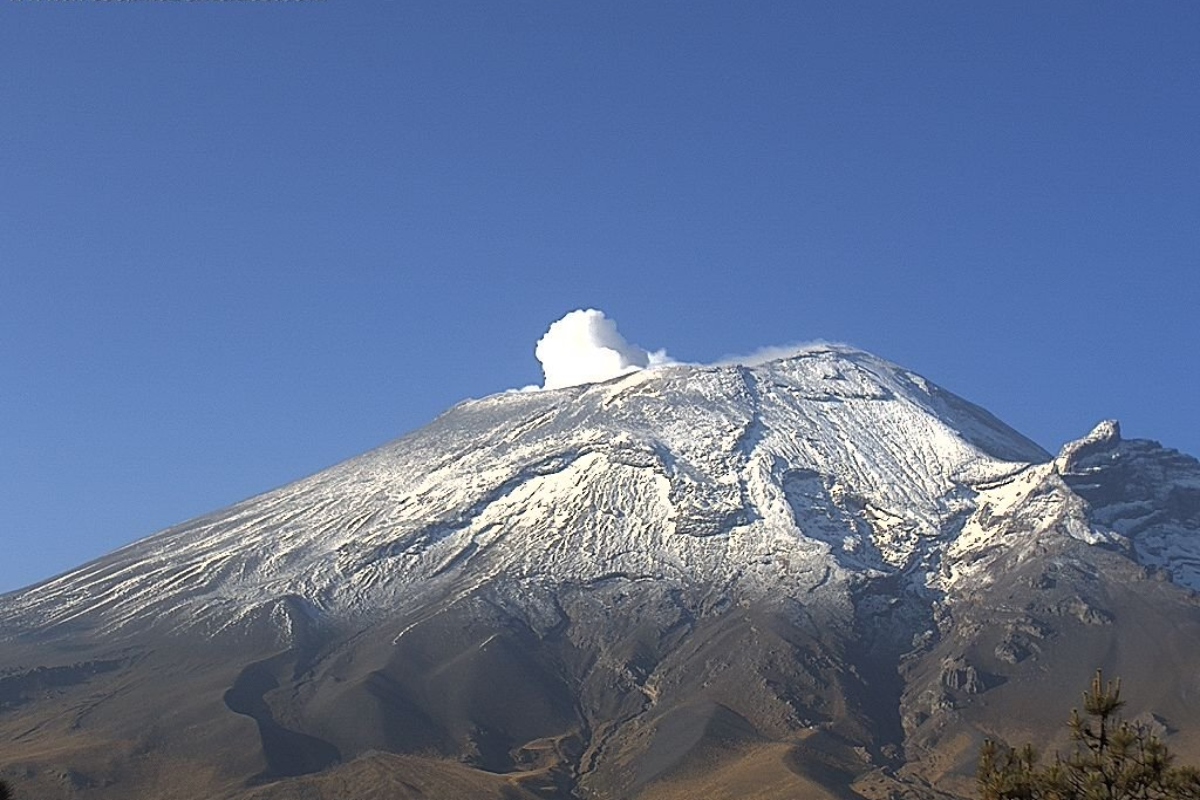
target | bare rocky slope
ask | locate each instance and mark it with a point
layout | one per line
(823, 576)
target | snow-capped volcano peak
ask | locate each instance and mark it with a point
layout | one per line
(747, 478)
(822, 549)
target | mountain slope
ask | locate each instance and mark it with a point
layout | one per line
(825, 564)
(630, 476)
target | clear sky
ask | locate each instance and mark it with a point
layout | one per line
(242, 241)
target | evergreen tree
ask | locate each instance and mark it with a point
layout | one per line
(1112, 760)
(5, 792)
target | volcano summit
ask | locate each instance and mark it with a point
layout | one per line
(819, 576)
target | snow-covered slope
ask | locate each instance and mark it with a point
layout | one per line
(753, 479)
(1135, 497)
(599, 590)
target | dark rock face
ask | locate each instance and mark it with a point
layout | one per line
(800, 580)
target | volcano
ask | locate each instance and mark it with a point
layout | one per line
(822, 576)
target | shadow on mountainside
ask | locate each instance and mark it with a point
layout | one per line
(287, 753)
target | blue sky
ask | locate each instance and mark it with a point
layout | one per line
(242, 241)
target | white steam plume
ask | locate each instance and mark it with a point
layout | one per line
(585, 347)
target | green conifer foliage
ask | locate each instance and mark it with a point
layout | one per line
(1112, 760)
